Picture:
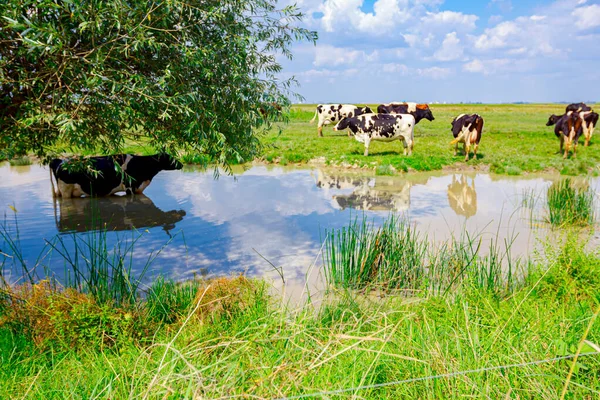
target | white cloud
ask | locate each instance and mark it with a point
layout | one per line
(498, 36)
(435, 72)
(587, 17)
(451, 20)
(451, 48)
(327, 55)
(346, 15)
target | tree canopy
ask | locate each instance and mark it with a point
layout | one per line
(186, 75)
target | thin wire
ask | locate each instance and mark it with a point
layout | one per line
(448, 375)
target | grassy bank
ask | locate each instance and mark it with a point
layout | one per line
(515, 140)
(233, 338)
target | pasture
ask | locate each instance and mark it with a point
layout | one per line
(515, 140)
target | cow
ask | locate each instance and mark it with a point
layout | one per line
(329, 113)
(568, 128)
(107, 175)
(381, 127)
(578, 107)
(467, 129)
(590, 120)
(419, 111)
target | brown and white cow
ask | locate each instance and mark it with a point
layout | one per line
(467, 129)
(578, 107)
(419, 111)
(590, 120)
(329, 113)
(568, 128)
(381, 127)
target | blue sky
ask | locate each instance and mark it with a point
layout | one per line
(449, 51)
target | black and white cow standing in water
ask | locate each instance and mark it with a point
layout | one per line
(329, 113)
(568, 128)
(578, 107)
(466, 129)
(381, 127)
(107, 175)
(419, 111)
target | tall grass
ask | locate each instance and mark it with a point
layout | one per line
(570, 205)
(20, 161)
(396, 256)
(92, 265)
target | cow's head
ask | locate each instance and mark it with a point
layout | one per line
(366, 110)
(552, 120)
(167, 162)
(343, 124)
(423, 111)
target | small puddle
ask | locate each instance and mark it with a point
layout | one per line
(203, 226)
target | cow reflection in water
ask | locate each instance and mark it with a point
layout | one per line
(115, 213)
(462, 197)
(369, 193)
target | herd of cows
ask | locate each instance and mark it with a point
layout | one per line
(107, 175)
(396, 121)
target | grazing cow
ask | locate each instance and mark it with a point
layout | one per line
(382, 127)
(466, 129)
(419, 111)
(569, 128)
(107, 175)
(329, 113)
(578, 107)
(590, 120)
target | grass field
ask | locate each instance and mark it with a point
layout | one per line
(230, 339)
(515, 140)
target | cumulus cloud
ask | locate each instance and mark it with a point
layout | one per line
(451, 48)
(327, 55)
(587, 17)
(451, 20)
(344, 15)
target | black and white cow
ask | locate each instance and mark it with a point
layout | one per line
(568, 128)
(107, 175)
(419, 111)
(590, 120)
(467, 129)
(381, 127)
(329, 113)
(578, 107)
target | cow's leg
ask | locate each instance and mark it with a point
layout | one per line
(367, 142)
(467, 148)
(456, 149)
(65, 190)
(562, 142)
(320, 129)
(475, 147)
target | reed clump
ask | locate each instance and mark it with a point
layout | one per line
(569, 204)
(396, 256)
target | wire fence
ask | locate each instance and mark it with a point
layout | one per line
(432, 377)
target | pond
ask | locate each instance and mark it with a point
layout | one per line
(262, 219)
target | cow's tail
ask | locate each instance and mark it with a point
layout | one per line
(315, 117)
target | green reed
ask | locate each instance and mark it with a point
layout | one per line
(396, 256)
(570, 205)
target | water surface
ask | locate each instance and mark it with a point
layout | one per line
(263, 218)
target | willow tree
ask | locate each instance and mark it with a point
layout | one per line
(185, 75)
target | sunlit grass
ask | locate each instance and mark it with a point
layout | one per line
(570, 205)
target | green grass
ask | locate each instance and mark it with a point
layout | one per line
(231, 338)
(515, 140)
(20, 161)
(396, 256)
(570, 205)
